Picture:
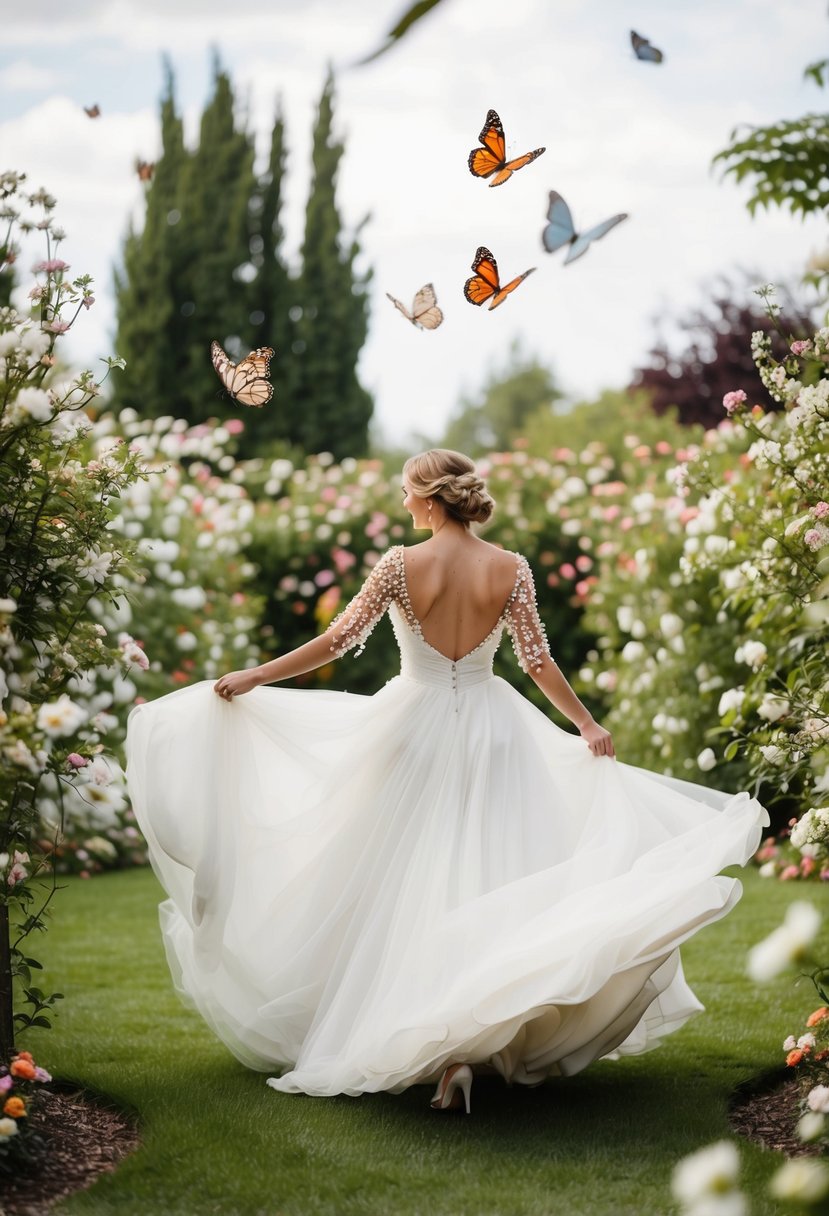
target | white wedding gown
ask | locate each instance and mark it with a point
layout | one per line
(363, 889)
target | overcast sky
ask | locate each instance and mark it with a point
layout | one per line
(621, 135)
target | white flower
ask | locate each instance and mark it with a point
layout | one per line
(8, 1127)
(61, 717)
(193, 598)
(731, 699)
(789, 1043)
(34, 402)
(786, 944)
(753, 653)
(773, 754)
(8, 605)
(94, 565)
(817, 1099)
(767, 870)
(811, 1126)
(625, 617)
(670, 624)
(633, 651)
(712, 1171)
(806, 1040)
(772, 707)
(186, 640)
(803, 1180)
(706, 759)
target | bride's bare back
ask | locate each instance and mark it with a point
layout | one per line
(457, 589)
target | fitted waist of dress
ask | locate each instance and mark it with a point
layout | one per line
(443, 673)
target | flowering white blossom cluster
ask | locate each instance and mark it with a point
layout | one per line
(811, 833)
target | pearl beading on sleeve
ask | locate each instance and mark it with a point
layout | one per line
(524, 625)
(354, 624)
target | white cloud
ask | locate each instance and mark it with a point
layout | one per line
(24, 76)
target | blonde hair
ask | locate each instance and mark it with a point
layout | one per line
(452, 479)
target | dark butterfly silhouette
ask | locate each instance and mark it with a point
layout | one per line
(92, 111)
(145, 170)
(642, 49)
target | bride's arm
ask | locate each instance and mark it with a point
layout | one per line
(351, 628)
(533, 653)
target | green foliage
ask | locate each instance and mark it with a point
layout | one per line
(56, 554)
(152, 285)
(412, 15)
(787, 162)
(504, 407)
(209, 264)
(614, 417)
(331, 408)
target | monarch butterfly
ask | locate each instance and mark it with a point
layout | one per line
(491, 158)
(145, 170)
(485, 283)
(246, 381)
(643, 49)
(425, 313)
(560, 230)
(92, 111)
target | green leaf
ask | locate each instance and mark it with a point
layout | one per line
(41, 1021)
(409, 18)
(732, 749)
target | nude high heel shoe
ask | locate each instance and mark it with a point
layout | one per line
(457, 1077)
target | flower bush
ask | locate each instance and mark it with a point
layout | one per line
(19, 1084)
(56, 555)
(725, 605)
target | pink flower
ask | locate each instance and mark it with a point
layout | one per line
(584, 563)
(38, 292)
(820, 510)
(567, 570)
(800, 348)
(816, 538)
(663, 447)
(50, 267)
(76, 761)
(733, 401)
(789, 872)
(6, 1083)
(88, 301)
(234, 426)
(42, 1075)
(57, 327)
(324, 578)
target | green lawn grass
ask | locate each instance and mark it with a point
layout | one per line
(216, 1139)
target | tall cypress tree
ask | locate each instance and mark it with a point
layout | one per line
(215, 239)
(148, 286)
(331, 408)
(272, 295)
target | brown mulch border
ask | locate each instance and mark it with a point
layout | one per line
(766, 1110)
(84, 1134)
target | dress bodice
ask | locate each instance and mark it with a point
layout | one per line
(421, 662)
(386, 589)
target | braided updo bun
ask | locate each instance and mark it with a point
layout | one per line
(451, 478)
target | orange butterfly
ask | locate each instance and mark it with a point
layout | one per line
(485, 283)
(92, 111)
(145, 170)
(491, 158)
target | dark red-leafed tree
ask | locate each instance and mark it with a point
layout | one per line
(717, 358)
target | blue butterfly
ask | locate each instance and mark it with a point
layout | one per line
(560, 230)
(642, 49)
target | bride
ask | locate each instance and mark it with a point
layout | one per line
(367, 893)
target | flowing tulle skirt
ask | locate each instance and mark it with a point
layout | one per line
(363, 889)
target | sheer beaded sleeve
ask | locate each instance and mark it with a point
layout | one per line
(354, 624)
(523, 623)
